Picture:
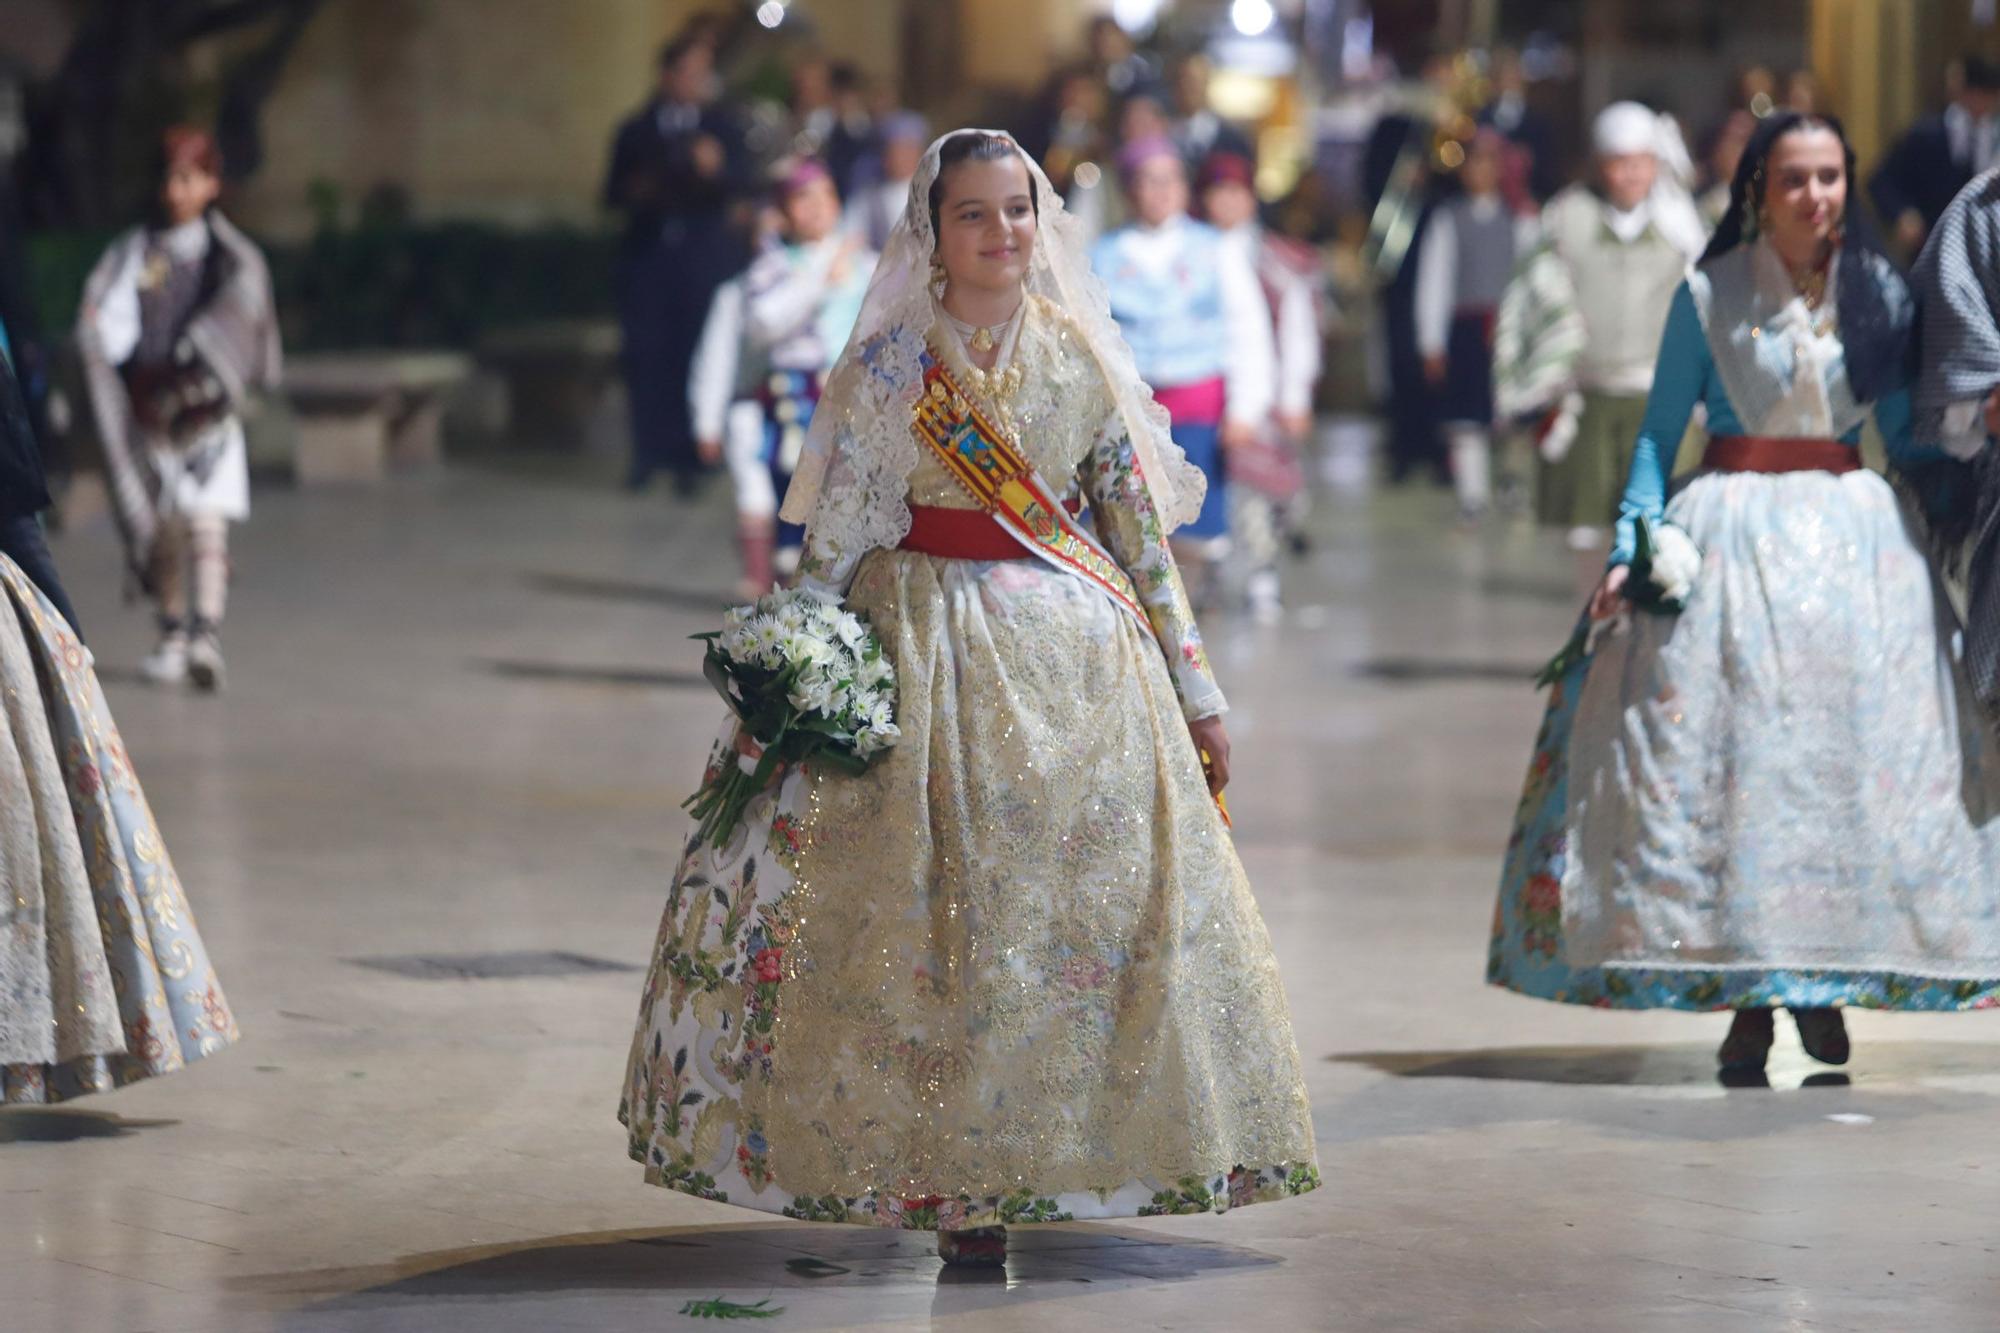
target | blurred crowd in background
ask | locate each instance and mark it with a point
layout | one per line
(1389, 186)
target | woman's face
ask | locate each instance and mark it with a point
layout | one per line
(986, 224)
(1805, 188)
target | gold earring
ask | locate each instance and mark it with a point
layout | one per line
(937, 270)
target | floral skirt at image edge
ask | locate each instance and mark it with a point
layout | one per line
(747, 885)
(153, 976)
(1527, 953)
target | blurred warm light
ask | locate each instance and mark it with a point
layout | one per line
(1452, 154)
(1252, 17)
(1236, 94)
(770, 13)
(1087, 175)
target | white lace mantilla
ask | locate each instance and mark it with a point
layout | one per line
(852, 483)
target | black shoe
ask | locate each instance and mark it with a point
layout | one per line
(1823, 1032)
(1748, 1043)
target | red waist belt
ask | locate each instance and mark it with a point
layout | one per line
(1774, 453)
(1198, 404)
(965, 534)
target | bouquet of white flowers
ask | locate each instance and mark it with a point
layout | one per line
(1665, 563)
(807, 679)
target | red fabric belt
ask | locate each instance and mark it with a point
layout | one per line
(1772, 453)
(1197, 404)
(965, 534)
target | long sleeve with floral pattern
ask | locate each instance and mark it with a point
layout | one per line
(1122, 508)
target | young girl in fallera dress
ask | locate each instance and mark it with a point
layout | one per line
(1782, 796)
(1014, 972)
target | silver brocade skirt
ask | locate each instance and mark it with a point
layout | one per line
(104, 979)
(1782, 795)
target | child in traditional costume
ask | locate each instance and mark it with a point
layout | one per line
(1200, 331)
(1468, 253)
(1013, 972)
(1780, 795)
(103, 977)
(1268, 494)
(799, 302)
(724, 381)
(176, 331)
(1579, 326)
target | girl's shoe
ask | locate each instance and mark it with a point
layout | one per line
(204, 661)
(1823, 1032)
(1749, 1041)
(168, 663)
(980, 1247)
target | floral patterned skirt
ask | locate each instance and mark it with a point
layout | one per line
(1014, 973)
(103, 977)
(1781, 796)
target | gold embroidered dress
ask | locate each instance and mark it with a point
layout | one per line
(1015, 971)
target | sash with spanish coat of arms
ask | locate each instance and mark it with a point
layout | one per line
(996, 474)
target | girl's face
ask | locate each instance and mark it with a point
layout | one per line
(1229, 205)
(186, 193)
(1159, 190)
(1805, 188)
(812, 211)
(1481, 173)
(986, 224)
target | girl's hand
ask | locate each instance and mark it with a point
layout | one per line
(1211, 740)
(748, 747)
(1609, 598)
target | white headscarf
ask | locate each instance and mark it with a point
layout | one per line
(852, 482)
(1625, 127)
(1629, 127)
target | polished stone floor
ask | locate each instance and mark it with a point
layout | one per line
(462, 712)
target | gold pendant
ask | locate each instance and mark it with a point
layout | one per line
(983, 340)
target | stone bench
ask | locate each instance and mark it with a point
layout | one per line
(360, 413)
(559, 374)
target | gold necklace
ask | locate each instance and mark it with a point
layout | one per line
(981, 338)
(994, 388)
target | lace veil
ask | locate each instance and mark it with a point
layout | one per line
(851, 484)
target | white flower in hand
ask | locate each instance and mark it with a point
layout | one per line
(1676, 563)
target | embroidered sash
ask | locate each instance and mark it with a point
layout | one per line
(996, 474)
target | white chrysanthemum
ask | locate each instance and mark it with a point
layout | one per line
(881, 716)
(764, 636)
